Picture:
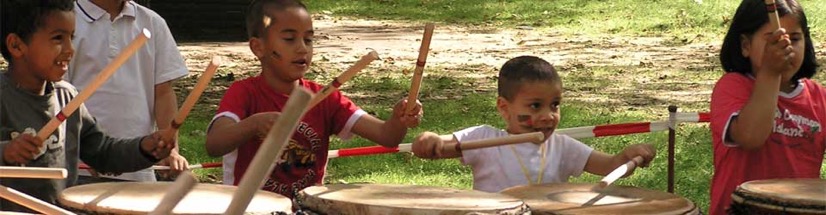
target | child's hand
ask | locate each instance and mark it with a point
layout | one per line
(428, 145)
(777, 53)
(176, 163)
(22, 149)
(263, 122)
(158, 144)
(410, 118)
(646, 151)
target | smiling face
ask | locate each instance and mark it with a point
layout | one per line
(47, 53)
(535, 107)
(286, 47)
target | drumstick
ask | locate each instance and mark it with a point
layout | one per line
(620, 171)
(195, 93)
(774, 18)
(343, 77)
(468, 145)
(30, 202)
(157, 167)
(270, 150)
(107, 71)
(32, 172)
(185, 182)
(420, 62)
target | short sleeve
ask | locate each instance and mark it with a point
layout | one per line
(344, 112)
(470, 157)
(234, 104)
(169, 64)
(730, 94)
(576, 155)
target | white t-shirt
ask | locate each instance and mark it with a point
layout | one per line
(124, 105)
(497, 168)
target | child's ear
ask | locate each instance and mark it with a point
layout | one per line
(502, 106)
(257, 47)
(15, 45)
(745, 45)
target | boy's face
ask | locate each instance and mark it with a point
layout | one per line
(48, 52)
(286, 46)
(535, 107)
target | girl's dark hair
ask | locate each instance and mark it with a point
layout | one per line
(257, 10)
(750, 16)
(24, 17)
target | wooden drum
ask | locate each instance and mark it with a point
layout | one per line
(578, 198)
(404, 199)
(143, 197)
(780, 196)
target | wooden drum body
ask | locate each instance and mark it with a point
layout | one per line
(405, 199)
(780, 196)
(578, 198)
(143, 197)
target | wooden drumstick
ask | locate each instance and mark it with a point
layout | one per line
(185, 182)
(534, 137)
(420, 62)
(30, 202)
(196, 93)
(32, 172)
(270, 150)
(107, 71)
(774, 18)
(620, 171)
(343, 77)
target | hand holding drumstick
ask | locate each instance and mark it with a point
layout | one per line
(432, 146)
(630, 158)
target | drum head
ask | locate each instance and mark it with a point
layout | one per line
(404, 199)
(573, 198)
(143, 197)
(794, 195)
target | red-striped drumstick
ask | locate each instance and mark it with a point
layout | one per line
(774, 18)
(157, 167)
(468, 145)
(420, 62)
(107, 71)
(342, 78)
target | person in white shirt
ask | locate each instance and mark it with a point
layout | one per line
(530, 92)
(138, 98)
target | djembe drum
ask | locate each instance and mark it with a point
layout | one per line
(780, 196)
(579, 198)
(365, 199)
(143, 197)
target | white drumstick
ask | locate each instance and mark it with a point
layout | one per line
(620, 171)
(32, 172)
(185, 182)
(30, 202)
(270, 150)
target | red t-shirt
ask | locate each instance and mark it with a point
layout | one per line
(305, 158)
(793, 150)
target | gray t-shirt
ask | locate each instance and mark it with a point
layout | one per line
(77, 137)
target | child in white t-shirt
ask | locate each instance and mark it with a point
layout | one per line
(530, 92)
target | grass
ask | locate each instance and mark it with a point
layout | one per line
(682, 19)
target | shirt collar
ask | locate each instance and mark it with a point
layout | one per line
(92, 12)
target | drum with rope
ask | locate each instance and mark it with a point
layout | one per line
(780, 196)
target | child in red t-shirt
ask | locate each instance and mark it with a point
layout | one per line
(281, 37)
(767, 116)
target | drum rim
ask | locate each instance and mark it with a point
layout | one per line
(302, 198)
(743, 197)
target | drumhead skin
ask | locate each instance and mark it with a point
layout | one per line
(143, 197)
(804, 196)
(405, 199)
(578, 198)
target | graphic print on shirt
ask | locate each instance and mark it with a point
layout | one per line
(297, 158)
(798, 128)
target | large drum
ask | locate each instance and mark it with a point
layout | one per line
(780, 196)
(143, 197)
(579, 198)
(404, 199)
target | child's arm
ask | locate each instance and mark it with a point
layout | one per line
(600, 163)
(20, 150)
(226, 135)
(391, 132)
(755, 121)
(429, 145)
